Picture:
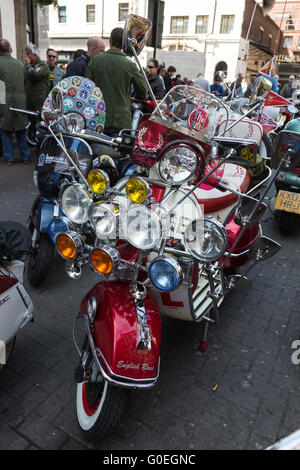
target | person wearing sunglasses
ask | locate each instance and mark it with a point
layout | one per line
(155, 80)
(56, 73)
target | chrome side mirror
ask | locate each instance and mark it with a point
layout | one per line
(136, 32)
(264, 249)
(57, 101)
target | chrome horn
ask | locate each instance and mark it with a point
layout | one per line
(73, 270)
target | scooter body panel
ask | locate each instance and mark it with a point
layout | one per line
(116, 332)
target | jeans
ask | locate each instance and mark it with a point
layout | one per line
(8, 146)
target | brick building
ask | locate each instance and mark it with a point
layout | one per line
(264, 36)
(286, 14)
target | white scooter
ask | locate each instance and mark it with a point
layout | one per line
(16, 307)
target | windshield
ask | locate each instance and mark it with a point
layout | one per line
(190, 110)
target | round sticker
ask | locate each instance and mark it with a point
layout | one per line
(68, 103)
(101, 106)
(83, 94)
(97, 92)
(198, 120)
(78, 104)
(88, 84)
(92, 100)
(72, 92)
(76, 81)
(99, 129)
(89, 112)
(92, 124)
(64, 84)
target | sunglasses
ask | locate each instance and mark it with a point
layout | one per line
(52, 56)
(150, 66)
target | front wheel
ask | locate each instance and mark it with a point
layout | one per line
(100, 408)
(39, 260)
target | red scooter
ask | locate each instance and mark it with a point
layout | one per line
(175, 242)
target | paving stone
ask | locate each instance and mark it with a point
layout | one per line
(42, 433)
(11, 440)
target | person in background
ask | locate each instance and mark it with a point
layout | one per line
(237, 85)
(161, 74)
(289, 88)
(116, 76)
(177, 80)
(37, 78)
(216, 88)
(202, 82)
(169, 77)
(250, 86)
(12, 75)
(278, 84)
(95, 46)
(78, 54)
(56, 73)
(154, 79)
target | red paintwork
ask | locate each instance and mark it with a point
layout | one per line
(157, 191)
(6, 283)
(116, 330)
(248, 239)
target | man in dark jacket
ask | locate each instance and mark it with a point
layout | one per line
(37, 78)
(154, 79)
(114, 74)
(169, 77)
(12, 94)
(95, 46)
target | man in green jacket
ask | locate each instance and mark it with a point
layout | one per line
(12, 94)
(115, 75)
(37, 78)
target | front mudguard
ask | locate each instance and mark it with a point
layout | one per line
(42, 213)
(114, 335)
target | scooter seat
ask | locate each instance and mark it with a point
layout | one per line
(215, 199)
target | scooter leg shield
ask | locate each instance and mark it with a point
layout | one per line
(116, 334)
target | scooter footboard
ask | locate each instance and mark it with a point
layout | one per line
(115, 330)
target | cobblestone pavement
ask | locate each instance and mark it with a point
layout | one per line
(243, 393)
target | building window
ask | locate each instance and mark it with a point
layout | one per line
(227, 22)
(179, 24)
(261, 35)
(90, 13)
(62, 14)
(289, 24)
(123, 11)
(201, 24)
(288, 41)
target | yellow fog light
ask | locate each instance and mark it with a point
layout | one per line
(137, 190)
(98, 181)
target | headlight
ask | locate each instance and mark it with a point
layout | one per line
(143, 229)
(104, 259)
(137, 190)
(98, 181)
(75, 203)
(165, 273)
(206, 239)
(104, 218)
(69, 245)
(178, 165)
(74, 122)
(59, 225)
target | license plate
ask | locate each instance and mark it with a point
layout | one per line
(288, 202)
(246, 154)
